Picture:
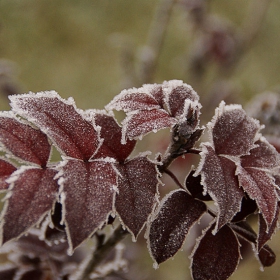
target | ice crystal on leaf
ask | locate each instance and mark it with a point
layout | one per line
(168, 229)
(153, 107)
(97, 179)
(237, 159)
(32, 189)
(215, 256)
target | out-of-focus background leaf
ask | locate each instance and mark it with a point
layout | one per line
(77, 48)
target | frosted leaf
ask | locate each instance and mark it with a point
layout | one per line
(177, 93)
(168, 229)
(264, 234)
(194, 186)
(260, 186)
(33, 195)
(232, 131)
(221, 183)
(215, 256)
(7, 273)
(87, 197)
(266, 256)
(111, 133)
(263, 156)
(6, 169)
(23, 141)
(67, 127)
(248, 207)
(134, 99)
(137, 196)
(140, 123)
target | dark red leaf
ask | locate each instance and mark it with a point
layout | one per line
(33, 195)
(263, 156)
(23, 141)
(137, 193)
(6, 169)
(248, 207)
(111, 132)
(73, 135)
(134, 99)
(244, 230)
(177, 93)
(193, 185)
(233, 132)
(7, 274)
(139, 123)
(221, 183)
(176, 215)
(36, 274)
(87, 197)
(266, 256)
(215, 256)
(264, 234)
(260, 186)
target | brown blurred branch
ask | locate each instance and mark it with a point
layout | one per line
(152, 50)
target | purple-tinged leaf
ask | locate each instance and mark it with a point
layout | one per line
(263, 156)
(193, 185)
(176, 215)
(72, 134)
(264, 234)
(157, 92)
(266, 256)
(221, 183)
(7, 273)
(232, 131)
(111, 133)
(177, 93)
(215, 256)
(88, 190)
(260, 186)
(134, 99)
(138, 190)
(139, 123)
(32, 195)
(23, 141)
(6, 169)
(244, 230)
(248, 207)
(36, 274)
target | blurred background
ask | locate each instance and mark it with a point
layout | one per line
(92, 49)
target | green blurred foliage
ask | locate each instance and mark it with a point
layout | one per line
(74, 47)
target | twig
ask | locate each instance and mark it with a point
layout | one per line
(155, 40)
(174, 178)
(102, 250)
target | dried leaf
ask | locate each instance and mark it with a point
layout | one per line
(220, 182)
(67, 127)
(88, 190)
(33, 195)
(176, 215)
(215, 256)
(232, 131)
(138, 187)
(23, 141)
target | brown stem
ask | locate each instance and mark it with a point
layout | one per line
(102, 251)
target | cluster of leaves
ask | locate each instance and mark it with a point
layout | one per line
(97, 180)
